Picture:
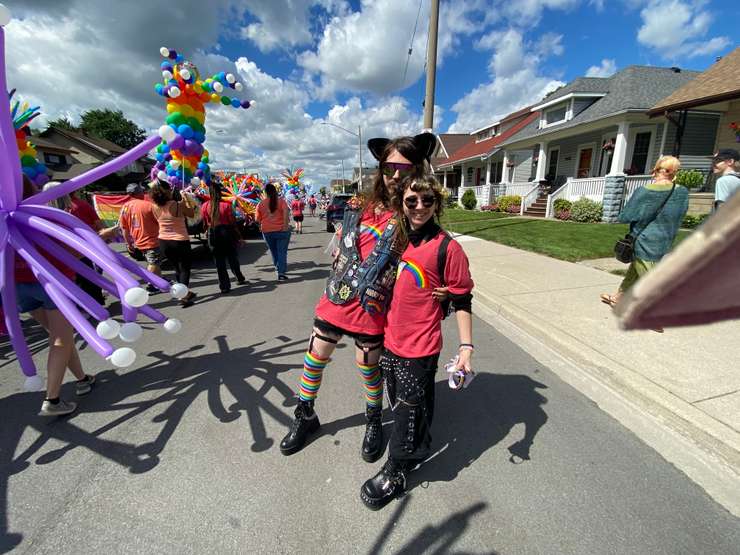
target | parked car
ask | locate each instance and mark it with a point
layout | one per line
(335, 210)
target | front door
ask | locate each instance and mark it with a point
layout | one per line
(584, 162)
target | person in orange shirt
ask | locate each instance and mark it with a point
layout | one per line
(272, 215)
(141, 229)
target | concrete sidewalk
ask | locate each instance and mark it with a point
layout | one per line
(686, 379)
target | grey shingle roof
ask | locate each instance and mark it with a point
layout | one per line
(635, 88)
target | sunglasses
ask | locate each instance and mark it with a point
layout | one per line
(427, 201)
(404, 170)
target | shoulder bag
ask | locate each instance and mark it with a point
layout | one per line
(624, 249)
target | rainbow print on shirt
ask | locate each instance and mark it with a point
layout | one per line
(415, 270)
(371, 230)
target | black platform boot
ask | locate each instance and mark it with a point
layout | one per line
(372, 444)
(306, 422)
(385, 486)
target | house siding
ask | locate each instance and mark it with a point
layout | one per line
(569, 150)
(725, 135)
(699, 136)
(523, 168)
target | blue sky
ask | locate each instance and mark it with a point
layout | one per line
(307, 62)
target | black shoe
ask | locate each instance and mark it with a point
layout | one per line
(385, 486)
(225, 291)
(372, 444)
(241, 281)
(306, 422)
(188, 300)
(282, 277)
(153, 290)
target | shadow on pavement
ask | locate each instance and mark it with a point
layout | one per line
(469, 422)
(167, 386)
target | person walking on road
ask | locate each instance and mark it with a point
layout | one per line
(357, 292)
(413, 333)
(296, 207)
(223, 237)
(141, 230)
(272, 215)
(654, 212)
(312, 205)
(174, 240)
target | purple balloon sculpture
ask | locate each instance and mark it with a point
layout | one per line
(31, 230)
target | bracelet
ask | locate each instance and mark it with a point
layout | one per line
(468, 346)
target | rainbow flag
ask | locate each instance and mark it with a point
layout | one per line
(109, 207)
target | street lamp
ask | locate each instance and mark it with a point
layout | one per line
(359, 137)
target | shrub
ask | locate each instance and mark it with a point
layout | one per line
(562, 204)
(691, 179)
(451, 203)
(691, 221)
(562, 215)
(586, 210)
(488, 207)
(507, 201)
(468, 200)
(513, 208)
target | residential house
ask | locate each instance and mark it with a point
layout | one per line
(481, 162)
(597, 127)
(447, 144)
(715, 91)
(55, 157)
(83, 152)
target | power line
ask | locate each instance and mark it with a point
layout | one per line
(411, 45)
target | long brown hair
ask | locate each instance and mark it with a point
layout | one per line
(272, 194)
(160, 193)
(406, 147)
(214, 189)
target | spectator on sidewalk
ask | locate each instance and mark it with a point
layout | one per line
(655, 228)
(272, 215)
(174, 240)
(726, 164)
(223, 236)
(141, 230)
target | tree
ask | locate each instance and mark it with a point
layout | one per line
(63, 123)
(113, 126)
(468, 199)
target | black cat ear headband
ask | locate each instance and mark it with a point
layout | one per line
(424, 144)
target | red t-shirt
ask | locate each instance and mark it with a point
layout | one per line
(85, 212)
(138, 220)
(225, 213)
(414, 325)
(351, 316)
(297, 207)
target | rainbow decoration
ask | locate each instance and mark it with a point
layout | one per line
(415, 270)
(108, 207)
(372, 230)
(242, 191)
(30, 166)
(292, 181)
(181, 159)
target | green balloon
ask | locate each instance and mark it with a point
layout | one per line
(226, 101)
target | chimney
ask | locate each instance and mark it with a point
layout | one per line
(675, 69)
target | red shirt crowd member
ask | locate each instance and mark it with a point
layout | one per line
(140, 227)
(398, 158)
(223, 237)
(413, 334)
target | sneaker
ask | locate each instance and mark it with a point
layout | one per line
(385, 486)
(61, 408)
(188, 299)
(152, 289)
(372, 443)
(84, 386)
(306, 422)
(242, 281)
(282, 277)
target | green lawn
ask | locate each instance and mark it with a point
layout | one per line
(454, 216)
(564, 240)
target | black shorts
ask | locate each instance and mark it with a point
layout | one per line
(297, 217)
(367, 339)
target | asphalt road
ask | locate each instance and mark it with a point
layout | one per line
(179, 454)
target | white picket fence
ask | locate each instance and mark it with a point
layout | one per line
(591, 188)
(633, 183)
(521, 188)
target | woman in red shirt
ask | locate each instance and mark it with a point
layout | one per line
(296, 207)
(413, 333)
(398, 158)
(272, 215)
(223, 236)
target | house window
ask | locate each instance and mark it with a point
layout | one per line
(498, 171)
(477, 176)
(53, 159)
(555, 115)
(469, 176)
(640, 153)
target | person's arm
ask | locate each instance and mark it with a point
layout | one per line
(465, 332)
(187, 207)
(630, 212)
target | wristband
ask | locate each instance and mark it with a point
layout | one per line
(468, 346)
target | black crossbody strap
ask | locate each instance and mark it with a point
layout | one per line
(442, 257)
(662, 204)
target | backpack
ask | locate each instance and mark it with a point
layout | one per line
(446, 305)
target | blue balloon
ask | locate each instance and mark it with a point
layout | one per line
(40, 168)
(235, 102)
(165, 148)
(30, 172)
(186, 131)
(166, 66)
(199, 136)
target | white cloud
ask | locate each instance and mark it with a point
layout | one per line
(677, 29)
(607, 68)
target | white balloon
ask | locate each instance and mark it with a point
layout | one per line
(136, 297)
(195, 181)
(251, 103)
(130, 332)
(178, 291)
(167, 133)
(230, 78)
(165, 52)
(33, 383)
(108, 329)
(218, 87)
(238, 86)
(185, 74)
(167, 75)
(162, 175)
(172, 325)
(174, 92)
(123, 357)
(4, 15)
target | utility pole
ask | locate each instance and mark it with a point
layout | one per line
(359, 134)
(343, 180)
(431, 67)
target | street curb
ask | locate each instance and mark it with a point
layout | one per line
(711, 449)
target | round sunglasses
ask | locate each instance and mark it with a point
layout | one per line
(427, 201)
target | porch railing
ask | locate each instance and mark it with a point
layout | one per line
(521, 188)
(589, 187)
(529, 198)
(552, 197)
(482, 194)
(633, 183)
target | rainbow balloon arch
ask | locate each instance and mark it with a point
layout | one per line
(182, 160)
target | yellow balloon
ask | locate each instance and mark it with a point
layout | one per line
(199, 116)
(171, 108)
(197, 87)
(215, 98)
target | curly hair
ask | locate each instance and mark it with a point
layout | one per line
(160, 193)
(420, 184)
